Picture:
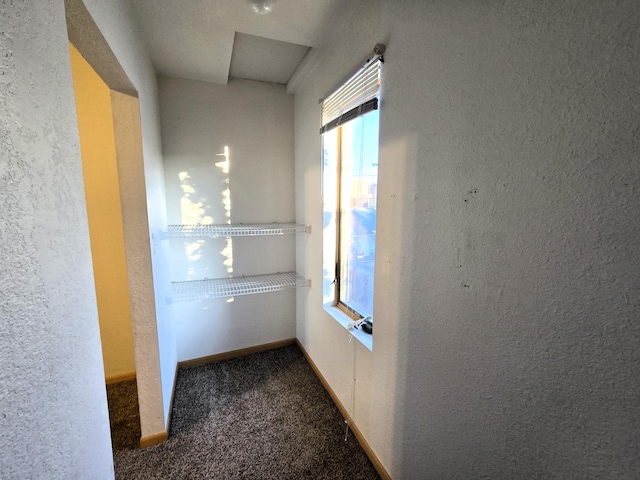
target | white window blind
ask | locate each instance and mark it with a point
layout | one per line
(354, 97)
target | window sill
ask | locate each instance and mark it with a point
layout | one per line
(344, 320)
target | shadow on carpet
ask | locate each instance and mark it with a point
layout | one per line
(124, 415)
(261, 416)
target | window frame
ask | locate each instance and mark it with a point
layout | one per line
(341, 311)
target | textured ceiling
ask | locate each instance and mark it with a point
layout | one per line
(195, 39)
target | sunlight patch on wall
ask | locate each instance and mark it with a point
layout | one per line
(226, 193)
(192, 213)
(227, 251)
(193, 250)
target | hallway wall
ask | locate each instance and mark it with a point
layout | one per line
(53, 401)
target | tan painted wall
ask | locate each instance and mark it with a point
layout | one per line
(102, 192)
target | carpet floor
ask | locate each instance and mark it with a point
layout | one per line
(261, 416)
(124, 415)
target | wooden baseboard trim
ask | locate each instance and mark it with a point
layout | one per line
(235, 353)
(354, 428)
(155, 439)
(173, 394)
(121, 377)
(161, 437)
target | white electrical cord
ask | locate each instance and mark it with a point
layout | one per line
(353, 390)
(357, 323)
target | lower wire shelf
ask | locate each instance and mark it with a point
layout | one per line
(231, 230)
(192, 290)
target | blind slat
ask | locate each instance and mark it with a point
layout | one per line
(350, 115)
(343, 104)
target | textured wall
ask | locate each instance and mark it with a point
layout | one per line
(508, 287)
(102, 193)
(53, 409)
(153, 331)
(254, 120)
(326, 341)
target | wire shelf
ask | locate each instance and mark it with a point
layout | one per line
(191, 290)
(232, 230)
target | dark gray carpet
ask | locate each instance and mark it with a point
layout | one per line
(262, 416)
(124, 415)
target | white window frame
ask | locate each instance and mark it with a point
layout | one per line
(358, 95)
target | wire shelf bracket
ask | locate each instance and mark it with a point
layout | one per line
(207, 288)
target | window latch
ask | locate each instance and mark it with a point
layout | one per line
(336, 274)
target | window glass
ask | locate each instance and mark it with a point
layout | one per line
(358, 193)
(350, 154)
(330, 209)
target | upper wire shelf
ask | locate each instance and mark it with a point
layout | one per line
(191, 290)
(232, 230)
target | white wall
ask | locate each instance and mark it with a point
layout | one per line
(153, 331)
(54, 421)
(255, 121)
(507, 283)
(324, 339)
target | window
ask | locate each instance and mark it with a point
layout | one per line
(350, 183)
